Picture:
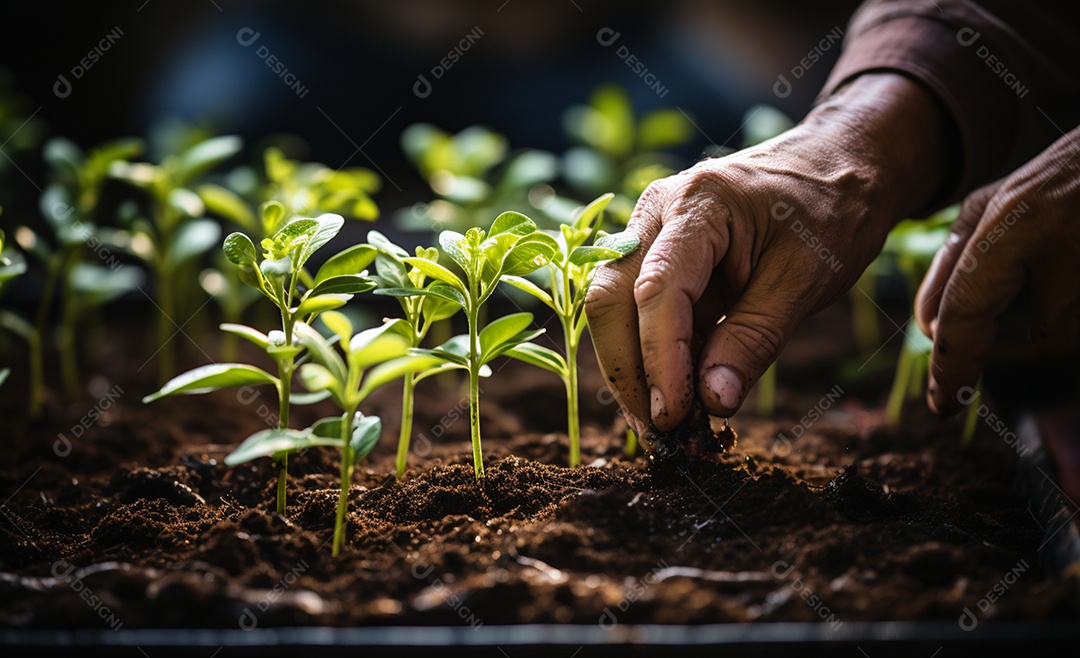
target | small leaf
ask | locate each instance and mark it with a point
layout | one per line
(585, 255)
(365, 436)
(253, 335)
(528, 286)
(316, 377)
(193, 238)
(320, 350)
(308, 398)
(512, 222)
(353, 260)
(451, 243)
(228, 204)
(211, 378)
(4, 373)
(387, 372)
(206, 155)
(267, 443)
(502, 330)
(623, 242)
(541, 357)
(350, 284)
(340, 324)
(272, 213)
(315, 304)
(240, 250)
(592, 212)
(530, 254)
(329, 225)
(436, 271)
(510, 343)
(377, 348)
(391, 272)
(382, 243)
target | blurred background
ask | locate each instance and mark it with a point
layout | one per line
(355, 64)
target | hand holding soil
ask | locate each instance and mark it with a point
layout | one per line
(737, 251)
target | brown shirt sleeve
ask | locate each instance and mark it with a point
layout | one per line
(1007, 73)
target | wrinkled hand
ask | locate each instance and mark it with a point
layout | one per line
(1021, 229)
(765, 237)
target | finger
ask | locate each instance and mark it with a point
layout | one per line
(951, 257)
(971, 303)
(613, 316)
(674, 275)
(742, 347)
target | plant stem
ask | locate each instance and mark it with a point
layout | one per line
(474, 387)
(895, 406)
(971, 417)
(570, 379)
(864, 314)
(766, 392)
(631, 443)
(346, 480)
(69, 360)
(51, 278)
(406, 424)
(284, 390)
(166, 357)
(37, 372)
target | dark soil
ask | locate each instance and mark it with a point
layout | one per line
(146, 527)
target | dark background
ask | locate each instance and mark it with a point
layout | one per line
(360, 60)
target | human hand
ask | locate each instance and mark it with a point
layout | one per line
(1021, 229)
(764, 237)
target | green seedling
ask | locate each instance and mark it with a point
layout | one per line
(372, 358)
(79, 261)
(172, 233)
(511, 246)
(12, 266)
(303, 188)
(421, 310)
(280, 276)
(581, 247)
(616, 151)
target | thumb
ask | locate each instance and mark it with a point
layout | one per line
(743, 345)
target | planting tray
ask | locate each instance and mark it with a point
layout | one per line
(1059, 553)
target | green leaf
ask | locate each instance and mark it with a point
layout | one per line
(97, 285)
(320, 349)
(451, 243)
(376, 346)
(436, 271)
(585, 255)
(226, 203)
(310, 397)
(387, 372)
(17, 325)
(211, 378)
(528, 286)
(529, 168)
(512, 222)
(353, 260)
(351, 284)
(4, 373)
(510, 343)
(328, 226)
(541, 357)
(391, 272)
(63, 155)
(316, 377)
(277, 267)
(240, 250)
(272, 213)
(592, 211)
(315, 304)
(248, 333)
(501, 330)
(436, 308)
(365, 436)
(382, 243)
(15, 266)
(530, 254)
(193, 238)
(623, 242)
(340, 324)
(267, 443)
(204, 156)
(185, 202)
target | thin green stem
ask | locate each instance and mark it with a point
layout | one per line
(37, 374)
(971, 417)
(406, 424)
(346, 480)
(474, 382)
(570, 379)
(69, 359)
(895, 406)
(52, 276)
(766, 392)
(166, 355)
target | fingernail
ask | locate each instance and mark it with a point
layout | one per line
(657, 405)
(725, 384)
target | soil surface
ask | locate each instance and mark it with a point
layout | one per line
(122, 513)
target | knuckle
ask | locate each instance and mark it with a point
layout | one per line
(650, 285)
(761, 340)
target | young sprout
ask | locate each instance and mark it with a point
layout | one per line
(173, 232)
(371, 358)
(512, 246)
(581, 248)
(12, 265)
(300, 297)
(397, 278)
(70, 207)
